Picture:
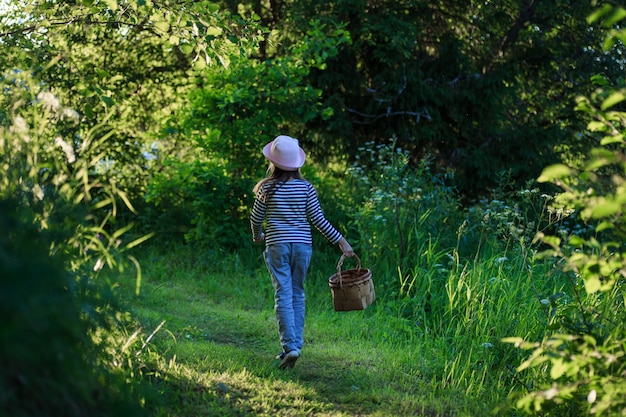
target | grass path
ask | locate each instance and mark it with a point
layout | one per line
(214, 352)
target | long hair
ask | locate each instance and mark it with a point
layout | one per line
(276, 177)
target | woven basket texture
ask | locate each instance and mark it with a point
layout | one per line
(352, 289)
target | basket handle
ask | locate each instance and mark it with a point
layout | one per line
(340, 263)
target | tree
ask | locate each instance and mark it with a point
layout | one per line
(481, 87)
(128, 65)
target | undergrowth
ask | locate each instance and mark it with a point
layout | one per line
(430, 345)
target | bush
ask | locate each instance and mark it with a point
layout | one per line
(49, 364)
(57, 231)
(396, 208)
(579, 367)
(202, 203)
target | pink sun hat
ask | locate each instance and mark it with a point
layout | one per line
(285, 153)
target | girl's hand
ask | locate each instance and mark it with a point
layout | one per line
(346, 248)
(259, 239)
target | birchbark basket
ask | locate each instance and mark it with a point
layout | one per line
(352, 289)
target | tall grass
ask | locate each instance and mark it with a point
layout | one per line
(449, 290)
(431, 341)
(458, 281)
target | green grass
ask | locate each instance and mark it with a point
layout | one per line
(216, 339)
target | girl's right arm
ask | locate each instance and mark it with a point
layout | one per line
(345, 248)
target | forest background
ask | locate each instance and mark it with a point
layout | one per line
(472, 152)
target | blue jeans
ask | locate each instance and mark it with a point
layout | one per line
(288, 264)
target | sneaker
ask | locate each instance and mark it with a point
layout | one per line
(288, 359)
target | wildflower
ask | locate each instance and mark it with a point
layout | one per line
(70, 114)
(99, 265)
(551, 393)
(20, 125)
(502, 259)
(49, 101)
(67, 148)
(38, 192)
(591, 397)
(545, 302)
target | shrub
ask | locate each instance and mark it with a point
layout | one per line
(579, 368)
(57, 231)
(199, 202)
(396, 207)
(49, 364)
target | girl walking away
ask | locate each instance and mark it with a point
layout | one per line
(286, 204)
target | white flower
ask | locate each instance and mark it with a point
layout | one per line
(591, 397)
(20, 125)
(99, 265)
(38, 192)
(49, 101)
(67, 148)
(70, 114)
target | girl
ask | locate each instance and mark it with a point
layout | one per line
(286, 202)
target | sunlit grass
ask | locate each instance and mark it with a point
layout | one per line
(217, 347)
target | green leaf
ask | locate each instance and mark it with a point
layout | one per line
(607, 140)
(214, 31)
(608, 43)
(558, 369)
(596, 126)
(599, 80)
(618, 14)
(88, 109)
(102, 203)
(119, 232)
(604, 226)
(212, 7)
(606, 208)
(112, 4)
(186, 48)
(613, 99)
(162, 26)
(592, 284)
(598, 14)
(139, 240)
(555, 171)
(108, 101)
(553, 241)
(121, 194)
(199, 64)
(576, 241)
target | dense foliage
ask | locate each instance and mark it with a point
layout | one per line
(583, 354)
(154, 112)
(58, 230)
(481, 87)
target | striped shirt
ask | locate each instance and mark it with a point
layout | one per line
(288, 212)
